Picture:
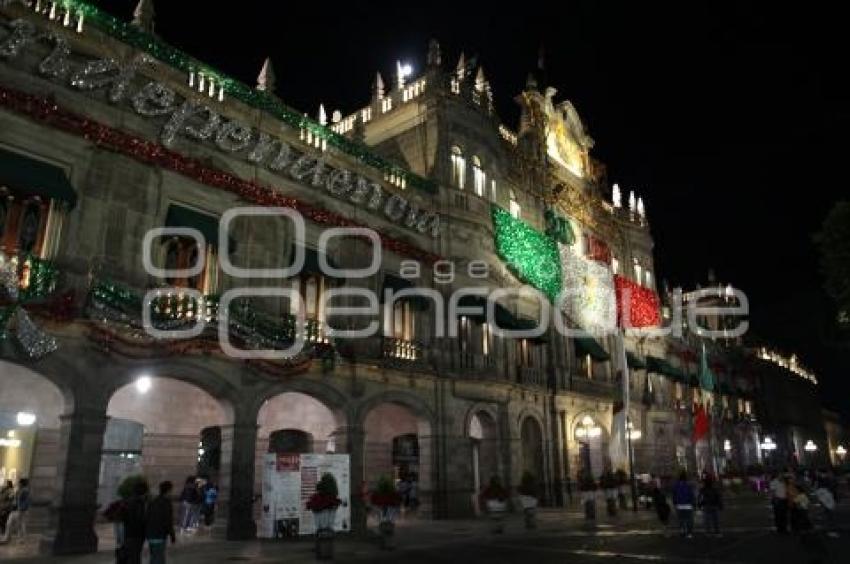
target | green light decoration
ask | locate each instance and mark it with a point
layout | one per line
(261, 100)
(530, 254)
(24, 280)
(558, 227)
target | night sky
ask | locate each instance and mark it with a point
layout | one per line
(730, 119)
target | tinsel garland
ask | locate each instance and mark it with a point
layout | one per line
(154, 46)
(23, 280)
(641, 303)
(43, 110)
(531, 255)
(590, 299)
(598, 250)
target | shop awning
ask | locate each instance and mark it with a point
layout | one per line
(590, 346)
(634, 361)
(181, 216)
(311, 261)
(663, 367)
(26, 175)
(397, 284)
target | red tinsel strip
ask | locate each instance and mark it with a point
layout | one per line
(45, 111)
(643, 303)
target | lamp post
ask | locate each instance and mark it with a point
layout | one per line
(586, 430)
(768, 445)
(840, 452)
(811, 448)
(632, 434)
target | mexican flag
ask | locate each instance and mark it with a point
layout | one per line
(706, 376)
(701, 424)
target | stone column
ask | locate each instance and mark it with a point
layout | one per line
(352, 440)
(238, 444)
(80, 442)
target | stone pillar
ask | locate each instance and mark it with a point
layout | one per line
(352, 440)
(80, 442)
(238, 444)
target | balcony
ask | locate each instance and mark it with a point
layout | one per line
(582, 385)
(530, 376)
(402, 350)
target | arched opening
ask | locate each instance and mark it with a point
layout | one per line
(398, 445)
(485, 453)
(531, 436)
(164, 429)
(591, 442)
(30, 410)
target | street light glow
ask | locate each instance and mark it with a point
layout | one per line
(840, 450)
(25, 418)
(143, 384)
(810, 446)
(404, 70)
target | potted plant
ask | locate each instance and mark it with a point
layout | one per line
(587, 487)
(609, 484)
(388, 501)
(528, 497)
(495, 498)
(324, 503)
(622, 487)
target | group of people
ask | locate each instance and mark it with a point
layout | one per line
(14, 506)
(139, 519)
(790, 500)
(685, 500)
(197, 501)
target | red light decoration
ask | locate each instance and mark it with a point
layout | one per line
(46, 111)
(598, 250)
(641, 304)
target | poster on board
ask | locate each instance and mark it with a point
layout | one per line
(288, 482)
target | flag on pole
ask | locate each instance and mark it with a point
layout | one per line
(706, 376)
(617, 447)
(701, 424)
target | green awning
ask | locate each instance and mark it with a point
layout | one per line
(26, 175)
(663, 367)
(590, 346)
(179, 216)
(397, 284)
(634, 361)
(311, 261)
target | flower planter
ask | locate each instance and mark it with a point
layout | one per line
(497, 509)
(529, 509)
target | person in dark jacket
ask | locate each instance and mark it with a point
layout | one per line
(135, 518)
(160, 523)
(662, 508)
(684, 500)
(711, 502)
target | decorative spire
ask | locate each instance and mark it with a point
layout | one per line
(632, 203)
(434, 58)
(336, 117)
(640, 209)
(143, 15)
(266, 79)
(378, 87)
(323, 117)
(531, 82)
(480, 80)
(617, 196)
(461, 66)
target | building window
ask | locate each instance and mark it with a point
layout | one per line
(479, 179)
(615, 265)
(527, 353)
(486, 339)
(515, 208)
(494, 196)
(23, 225)
(182, 253)
(648, 275)
(404, 320)
(638, 271)
(458, 167)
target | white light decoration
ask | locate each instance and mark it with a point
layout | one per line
(791, 363)
(632, 203)
(590, 299)
(143, 384)
(640, 209)
(617, 196)
(25, 418)
(727, 445)
(323, 116)
(810, 446)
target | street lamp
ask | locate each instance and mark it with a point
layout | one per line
(588, 428)
(840, 452)
(727, 445)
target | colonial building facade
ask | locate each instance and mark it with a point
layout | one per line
(107, 133)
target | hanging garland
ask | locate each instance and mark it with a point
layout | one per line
(589, 289)
(641, 303)
(131, 35)
(531, 255)
(43, 110)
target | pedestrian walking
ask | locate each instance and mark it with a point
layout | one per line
(827, 503)
(135, 516)
(159, 524)
(779, 501)
(711, 502)
(17, 520)
(210, 499)
(684, 500)
(662, 508)
(7, 502)
(188, 499)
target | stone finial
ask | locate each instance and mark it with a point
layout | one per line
(266, 79)
(461, 66)
(378, 87)
(336, 117)
(434, 58)
(480, 80)
(143, 16)
(323, 116)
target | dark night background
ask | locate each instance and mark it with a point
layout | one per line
(729, 118)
